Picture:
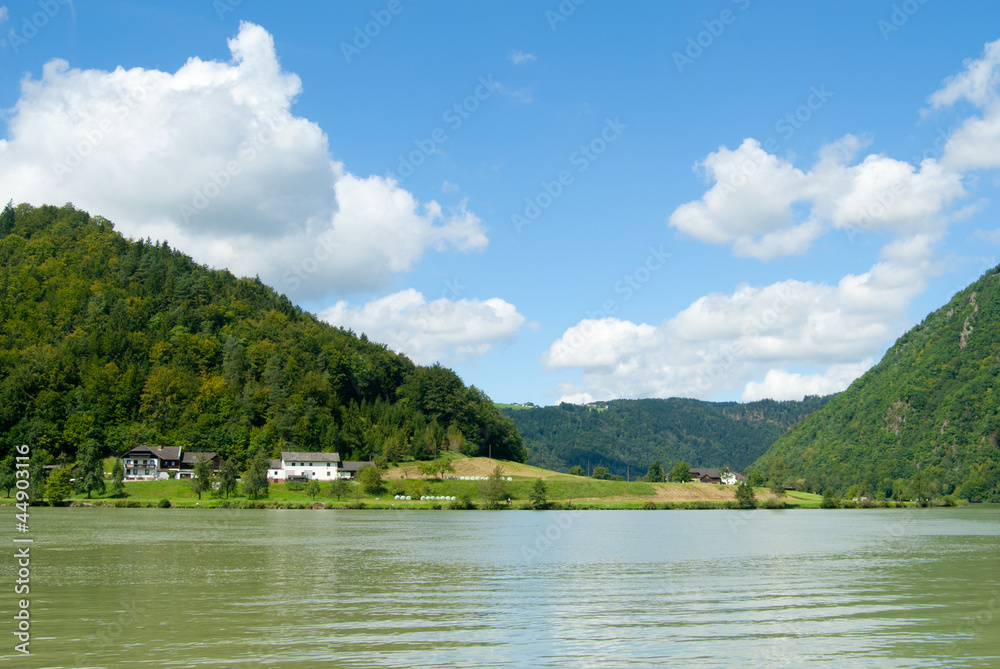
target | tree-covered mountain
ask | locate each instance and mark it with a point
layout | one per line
(124, 342)
(921, 422)
(627, 435)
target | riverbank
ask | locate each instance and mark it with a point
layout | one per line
(461, 487)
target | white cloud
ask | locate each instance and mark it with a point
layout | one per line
(976, 142)
(212, 159)
(4, 14)
(722, 343)
(521, 58)
(441, 330)
(782, 385)
(768, 208)
(449, 187)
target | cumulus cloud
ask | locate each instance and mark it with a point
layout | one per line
(212, 159)
(767, 208)
(440, 330)
(976, 142)
(724, 342)
(782, 385)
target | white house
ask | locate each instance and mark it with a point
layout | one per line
(151, 462)
(295, 465)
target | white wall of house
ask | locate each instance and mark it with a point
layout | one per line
(321, 471)
(142, 468)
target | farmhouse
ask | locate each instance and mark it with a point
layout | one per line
(295, 466)
(713, 475)
(151, 462)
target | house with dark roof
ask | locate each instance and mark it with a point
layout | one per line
(300, 466)
(349, 468)
(189, 460)
(151, 462)
(714, 475)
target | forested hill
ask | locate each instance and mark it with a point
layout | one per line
(125, 342)
(923, 421)
(627, 435)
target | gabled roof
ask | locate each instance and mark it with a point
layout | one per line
(699, 472)
(355, 465)
(274, 464)
(193, 458)
(161, 452)
(294, 456)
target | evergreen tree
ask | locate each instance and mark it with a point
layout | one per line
(255, 477)
(118, 478)
(58, 487)
(227, 477)
(745, 497)
(7, 220)
(538, 495)
(655, 472)
(202, 479)
(89, 471)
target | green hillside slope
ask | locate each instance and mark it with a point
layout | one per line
(126, 342)
(627, 435)
(922, 422)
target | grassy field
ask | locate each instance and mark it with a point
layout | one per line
(563, 490)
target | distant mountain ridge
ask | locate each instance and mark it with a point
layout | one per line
(923, 420)
(627, 435)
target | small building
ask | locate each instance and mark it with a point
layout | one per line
(148, 463)
(349, 468)
(298, 466)
(714, 475)
(189, 460)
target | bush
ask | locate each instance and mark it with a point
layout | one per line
(650, 506)
(163, 503)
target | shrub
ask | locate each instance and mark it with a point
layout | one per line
(164, 503)
(650, 506)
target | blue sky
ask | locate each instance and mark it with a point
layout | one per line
(723, 200)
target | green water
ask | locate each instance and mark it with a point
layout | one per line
(220, 588)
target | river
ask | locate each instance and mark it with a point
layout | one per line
(228, 588)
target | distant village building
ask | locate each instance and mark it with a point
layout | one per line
(713, 475)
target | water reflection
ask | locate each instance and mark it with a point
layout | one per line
(183, 588)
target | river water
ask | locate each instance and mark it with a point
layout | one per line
(239, 588)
